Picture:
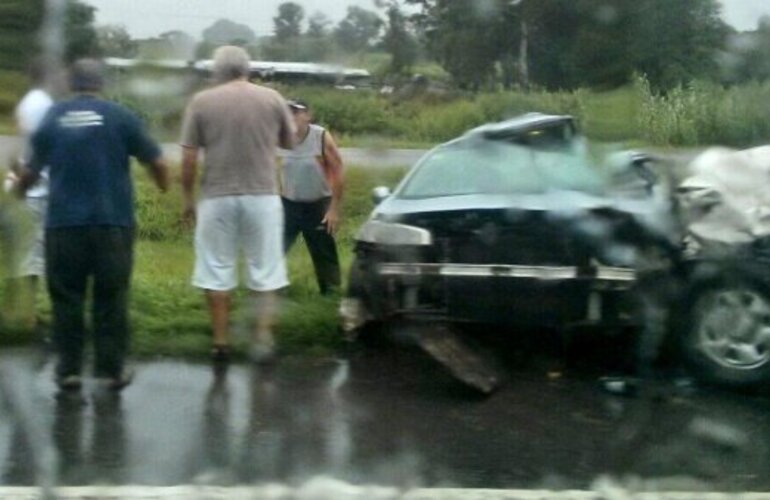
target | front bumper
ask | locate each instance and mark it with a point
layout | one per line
(500, 293)
(618, 276)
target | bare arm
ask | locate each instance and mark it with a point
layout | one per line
(287, 130)
(159, 173)
(22, 173)
(189, 175)
(332, 165)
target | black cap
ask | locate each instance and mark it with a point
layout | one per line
(298, 105)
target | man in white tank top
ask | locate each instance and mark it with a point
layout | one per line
(311, 188)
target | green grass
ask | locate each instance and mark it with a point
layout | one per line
(12, 87)
(168, 314)
(612, 115)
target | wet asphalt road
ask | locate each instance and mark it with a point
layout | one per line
(389, 417)
(377, 157)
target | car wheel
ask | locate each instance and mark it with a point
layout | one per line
(726, 333)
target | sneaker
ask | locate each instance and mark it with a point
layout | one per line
(119, 383)
(262, 350)
(69, 383)
(220, 353)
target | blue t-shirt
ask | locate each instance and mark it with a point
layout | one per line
(87, 142)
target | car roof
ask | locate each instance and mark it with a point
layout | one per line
(520, 124)
(499, 130)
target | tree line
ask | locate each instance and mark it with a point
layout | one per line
(568, 44)
(480, 44)
(21, 20)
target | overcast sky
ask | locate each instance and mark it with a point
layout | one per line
(147, 18)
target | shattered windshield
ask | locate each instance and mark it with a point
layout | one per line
(482, 166)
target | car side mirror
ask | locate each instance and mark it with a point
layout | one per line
(379, 194)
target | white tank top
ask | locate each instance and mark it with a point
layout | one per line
(302, 175)
(29, 114)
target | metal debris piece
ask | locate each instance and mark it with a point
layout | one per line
(446, 347)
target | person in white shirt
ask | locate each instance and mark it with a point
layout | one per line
(30, 265)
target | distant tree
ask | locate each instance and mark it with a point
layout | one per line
(463, 38)
(79, 31)
(749, 55)
(284, 45)
(114, 41)
(763, 24)
(153, 48)
(674, 42)
(181, 45)
(224, 32)
(20, 23)
(317, 44)
(173, 44)
(572, 43)
(204, 49)
(594, 43)
(318, 25)
(358, 30)
(288, 43)
(288, 23)
(600, 46)
(398, 40)
(757, 62)
(517, 25)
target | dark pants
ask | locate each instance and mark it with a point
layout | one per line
(305, 218)
(73, 255)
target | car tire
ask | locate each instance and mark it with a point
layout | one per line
(724, 330)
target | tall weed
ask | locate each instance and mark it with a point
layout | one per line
(705, 113)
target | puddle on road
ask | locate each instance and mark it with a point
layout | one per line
(378, 418)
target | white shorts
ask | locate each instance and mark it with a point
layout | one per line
(227, 225)
(32, 257)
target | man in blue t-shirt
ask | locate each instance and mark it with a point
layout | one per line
(87, 143)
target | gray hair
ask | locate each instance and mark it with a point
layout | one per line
(87, 75)
(230, 63)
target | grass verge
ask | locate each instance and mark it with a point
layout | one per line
(169, 316)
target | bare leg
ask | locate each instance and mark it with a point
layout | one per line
(266, 305)
(219, 312)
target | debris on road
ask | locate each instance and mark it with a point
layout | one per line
(445, 346)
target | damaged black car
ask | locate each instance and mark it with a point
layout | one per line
(516, 223)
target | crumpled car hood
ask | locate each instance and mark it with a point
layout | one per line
(725, 199)
(653, 213)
